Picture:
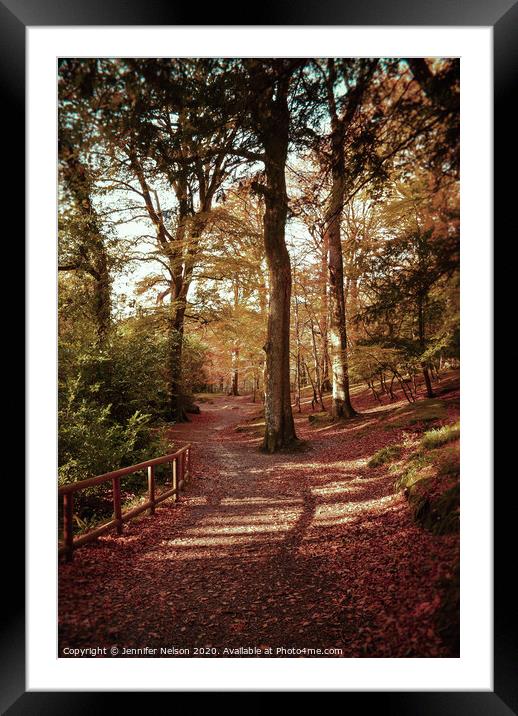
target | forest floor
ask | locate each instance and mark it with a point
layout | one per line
(309, 550)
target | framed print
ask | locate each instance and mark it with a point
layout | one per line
(244, 239)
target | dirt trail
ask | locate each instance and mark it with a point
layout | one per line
(308, 550)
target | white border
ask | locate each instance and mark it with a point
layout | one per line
(473, 671)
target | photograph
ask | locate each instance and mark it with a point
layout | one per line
(258, 390)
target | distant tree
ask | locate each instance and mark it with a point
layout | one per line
(408, 271)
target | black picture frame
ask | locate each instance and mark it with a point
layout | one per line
(502, 15)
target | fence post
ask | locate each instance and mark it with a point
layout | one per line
(181, 471)
(68, 524)
(175, 480)
(151, 488)
(117, 509)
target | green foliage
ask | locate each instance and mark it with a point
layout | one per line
(430, 480)
(415, 470)
(137, 376)
(410, 311)
(92, 442)
(390, 452)
(441, 436)
(193, 374)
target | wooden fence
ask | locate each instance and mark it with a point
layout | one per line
(180, 472)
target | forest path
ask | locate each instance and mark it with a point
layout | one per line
(311, 550)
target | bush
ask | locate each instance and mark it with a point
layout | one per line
(137, 379)
(91, 442)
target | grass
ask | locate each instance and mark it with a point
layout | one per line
(256, 427)
(321, 418)
(390, 452)
(441, 436)
(422, 411)
(429, 478)
(418, 467)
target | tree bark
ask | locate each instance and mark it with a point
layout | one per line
(422, 342)
(318, 381)
(325, 384)
(179, 287)
(272, 116)
(341, 401)
(280, 428)
(102, 294)
(298, 383)
(234, 379)
(234, 384)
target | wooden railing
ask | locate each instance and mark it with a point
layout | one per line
(180, 472)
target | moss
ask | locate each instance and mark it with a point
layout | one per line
(430, 481)
(437, 513)
(448, 462)
(422, 411)
(390, 452)
(322, 418)
(251, 428)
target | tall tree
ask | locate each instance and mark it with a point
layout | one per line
(270, 116)
(357, 79)
(82, 245)
(149, 125)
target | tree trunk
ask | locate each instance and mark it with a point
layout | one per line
(176, 402)
(325, 384)
(298, 380)
(341, 403)
(318, 382)
(422, 342)
(353, 308)
(179, 289)
(280, 428)
(279, 425)
(102, 296)
(234, 389)
(234, 380)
